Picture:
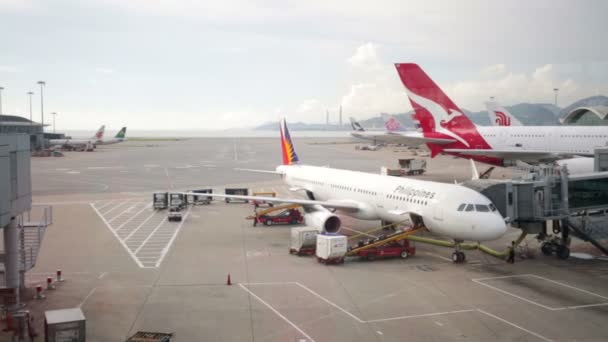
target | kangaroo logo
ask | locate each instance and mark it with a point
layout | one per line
(502, 119)
(441, 117)
(392, 124)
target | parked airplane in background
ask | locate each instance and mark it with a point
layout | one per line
(120, 137)
(500, 116)
(80, 142)
(394, 134)
(440, 118)
(449, 210)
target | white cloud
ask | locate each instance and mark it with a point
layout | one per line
(366, 56)
(105, 70)
(8, 69)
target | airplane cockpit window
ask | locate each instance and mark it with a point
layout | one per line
(461, 207)
(482, 208)
(469, 207)
(492, 207)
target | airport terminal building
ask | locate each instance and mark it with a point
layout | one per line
(12, 124)
(587, 116)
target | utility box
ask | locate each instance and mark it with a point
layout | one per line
(160, 200)
(331, 249)
(303, 240)
(67, 325)
(15, 176)
(177, 200)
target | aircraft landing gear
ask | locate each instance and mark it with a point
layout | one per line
(551, 247)
(458, 256)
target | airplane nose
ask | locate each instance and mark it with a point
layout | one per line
(499, 226)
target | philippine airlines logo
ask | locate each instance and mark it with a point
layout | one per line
(441, 117)
(392, 124)
(502, 119)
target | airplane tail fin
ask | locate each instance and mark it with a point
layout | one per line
(289, 152)
(500, 116)
(436, 113)
(122, 133)
(356, 125)
(391, 123)
(99, 134)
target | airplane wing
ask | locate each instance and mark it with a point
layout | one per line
(351, 206)
(513, 154)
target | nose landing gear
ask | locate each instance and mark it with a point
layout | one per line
(458, 256)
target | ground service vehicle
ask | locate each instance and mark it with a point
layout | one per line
(289, 216)
(413, 166)
(401, 249)
(160, 200)
(260, 203)
(175, 215)
(236, 191)
(177, 200)
(200, 199)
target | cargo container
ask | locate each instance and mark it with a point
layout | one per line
(303, 240)
(331, 249)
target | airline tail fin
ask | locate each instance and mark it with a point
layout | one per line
(289, 153)
(356, 125)
(122, 133)
(99, 134)
(500, 116)
(391, 123)
(437, 114)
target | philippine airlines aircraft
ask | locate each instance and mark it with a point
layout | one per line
(500, 116)
(120, 137)
(440, 118)
(449, 210)
(73, 142)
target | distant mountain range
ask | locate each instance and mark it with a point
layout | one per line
(533, 114)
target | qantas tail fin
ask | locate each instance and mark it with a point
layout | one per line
(289, 152)
(438, 115)
(391, 123)
(99, 134)
(122, 133)
(500, 116)
(356, 125)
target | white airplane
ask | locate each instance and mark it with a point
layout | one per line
(500, 116)
(440, 118)
(120, 137)
(75, 142)
(394, 134)
(449, 210)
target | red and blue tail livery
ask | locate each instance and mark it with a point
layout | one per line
(289, 152)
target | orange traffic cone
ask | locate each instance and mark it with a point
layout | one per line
(228, 282)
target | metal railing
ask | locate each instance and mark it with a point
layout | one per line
(33, 225)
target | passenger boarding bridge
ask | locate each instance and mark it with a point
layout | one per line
(550, 198)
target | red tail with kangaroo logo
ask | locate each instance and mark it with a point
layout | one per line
(438, 116)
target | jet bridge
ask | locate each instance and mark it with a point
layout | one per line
(552, 198)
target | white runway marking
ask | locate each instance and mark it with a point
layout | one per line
(514, 325)
(480, 281)
(277, 313)
(87, 297)
(432, 314)
(145, 233)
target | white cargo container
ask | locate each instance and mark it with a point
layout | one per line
(303, 240)
(331, 249)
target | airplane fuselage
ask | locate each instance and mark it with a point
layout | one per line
(397, 199)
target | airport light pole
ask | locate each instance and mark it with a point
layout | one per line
(555, 90)
(1, 89)
(42, 84)
(30, 93)
(54, 115)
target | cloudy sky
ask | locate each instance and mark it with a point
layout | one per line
(186, 64)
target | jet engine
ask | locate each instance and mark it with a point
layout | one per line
(577, 165)
(324, 220)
